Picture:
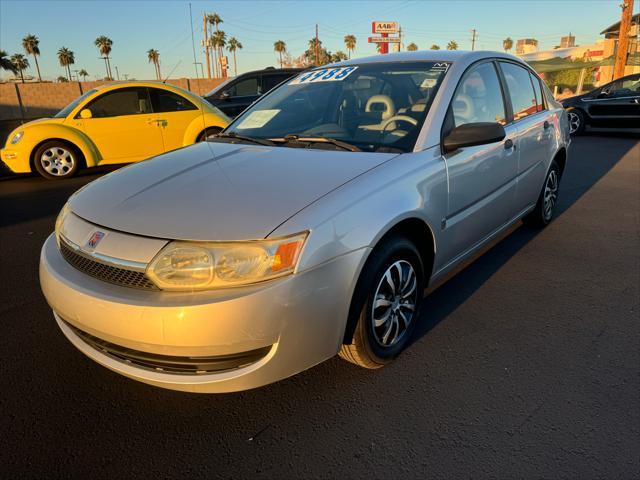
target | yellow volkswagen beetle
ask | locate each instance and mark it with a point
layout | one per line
(112, 124)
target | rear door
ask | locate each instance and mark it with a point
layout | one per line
(123, 126)
(175, 113)
(617, 105)
(535, 130)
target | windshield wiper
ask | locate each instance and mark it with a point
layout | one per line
(299, 138)
(245, 138)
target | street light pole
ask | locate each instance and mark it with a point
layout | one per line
(117, 73)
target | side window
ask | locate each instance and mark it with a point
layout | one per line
(270, 81)
(165, 101)
(626, 87)
(478, 97)
(245, 87)
(538, 91)
(127, 101)
(523, 97)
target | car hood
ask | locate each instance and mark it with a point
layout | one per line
(217, 191)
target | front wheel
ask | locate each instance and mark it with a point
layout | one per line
(545, 208)
(387, 304)
(576, 121)
(56, 160)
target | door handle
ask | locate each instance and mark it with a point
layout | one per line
(149, 122)
(635, 100)
(508, 144)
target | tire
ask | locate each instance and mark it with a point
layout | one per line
(576, 121)
(207, 132)
(56, 160)
(377, 341)
(545, 209)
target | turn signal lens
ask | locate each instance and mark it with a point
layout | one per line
(200, 266)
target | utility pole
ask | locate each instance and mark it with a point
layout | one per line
(623, 39)
(317, 48)
(206, 44)
(117, 73)
(400, 37)
(473, 39)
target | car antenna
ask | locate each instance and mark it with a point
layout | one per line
(174, 69)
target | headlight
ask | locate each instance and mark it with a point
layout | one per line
(60, 221)
(16, 138)
(201, 266)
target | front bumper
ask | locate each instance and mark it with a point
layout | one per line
(297, 321)
(15, 160)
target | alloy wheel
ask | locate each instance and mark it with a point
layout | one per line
(574, 122)
(57, 161)
(550, 194)
(394, 303)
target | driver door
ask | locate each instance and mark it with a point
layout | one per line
(617, 104)
(123, 126)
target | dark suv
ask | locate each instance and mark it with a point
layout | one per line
(613, 105)
(237, 93)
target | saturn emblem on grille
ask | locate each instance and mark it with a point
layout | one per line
(95, 239)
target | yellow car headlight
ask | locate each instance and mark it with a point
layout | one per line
(16, 137)
(202, 266)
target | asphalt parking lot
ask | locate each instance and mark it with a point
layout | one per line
(526, 365)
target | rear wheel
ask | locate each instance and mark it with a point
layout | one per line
(545, 209)
(208, 132)
(387, 304)
(56, 160)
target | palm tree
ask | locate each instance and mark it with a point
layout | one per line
(412, 47)
(84, 74)
(339, 56)
(435, 47)
(215, 20)
(104, 47)
(154, 57)
(350, 43)
(280, 47)
(66, 58)
(21, 63)
(452, 45)
(507, 44)
(219, 41)
(233, 46)
(30, 45)
(6, 64)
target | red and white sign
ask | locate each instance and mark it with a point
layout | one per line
(384, 39)
(384, 27)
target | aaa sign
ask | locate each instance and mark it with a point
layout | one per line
(384, 27)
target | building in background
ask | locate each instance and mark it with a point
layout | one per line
(526, 45)
(568, 41)
(611, 35)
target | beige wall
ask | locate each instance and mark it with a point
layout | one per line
(28, 101)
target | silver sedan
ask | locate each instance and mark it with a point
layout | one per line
(311, 226)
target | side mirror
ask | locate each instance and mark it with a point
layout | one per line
(471, 134)
(85, 113)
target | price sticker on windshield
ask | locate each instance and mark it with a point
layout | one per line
(336, 74)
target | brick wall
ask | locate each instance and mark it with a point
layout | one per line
(28, 101)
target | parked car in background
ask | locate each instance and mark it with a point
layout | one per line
(236, 94)
(311, 226)
(112, 124)
(613, 105)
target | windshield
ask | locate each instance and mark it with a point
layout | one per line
(69, 108)
(374, 107)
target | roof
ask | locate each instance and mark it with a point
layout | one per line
(429, 55)
(615, 28)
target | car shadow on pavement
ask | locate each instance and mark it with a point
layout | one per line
(578, 178)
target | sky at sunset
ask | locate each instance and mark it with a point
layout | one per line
(137, 26)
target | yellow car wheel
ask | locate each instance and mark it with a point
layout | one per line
(208, 132)
(56, 160)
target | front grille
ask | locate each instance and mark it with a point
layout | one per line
(108, 273)
(171, 364)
